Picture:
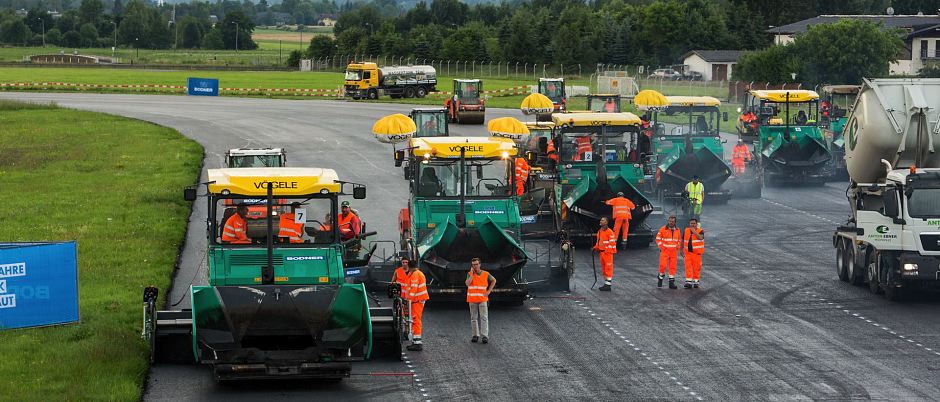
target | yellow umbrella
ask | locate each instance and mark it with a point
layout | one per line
(536, 103)
(507, 127)
(394, 128)
(649, 99)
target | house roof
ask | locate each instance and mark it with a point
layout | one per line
(717, 56)
(889, 21)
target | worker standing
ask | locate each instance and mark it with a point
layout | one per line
(622, 215)
(417, 295)
(479, 285)
(400, 277)
(668, 239)
(522, 174)
(551, 151)
(739, 155)
(289, 228)
(693, 246)
(696, 192)
(606, 247)
(234, 230)
(584, 147)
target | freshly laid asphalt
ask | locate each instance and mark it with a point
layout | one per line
(772, 321)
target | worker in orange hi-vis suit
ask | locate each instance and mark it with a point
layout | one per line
(417, 295)
(739, 154)
(621, 214)
(606, 247)
(693, 246)
(522, 174)
(669, 239)
(400, 276)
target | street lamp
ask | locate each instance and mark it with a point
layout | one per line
(236, 35)
(43, 31)
(137, 48)
(370, 27)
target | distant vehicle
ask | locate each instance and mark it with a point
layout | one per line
(665, 74)
(692, 76)
(369, 81)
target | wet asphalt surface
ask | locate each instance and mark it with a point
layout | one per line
(771, 322)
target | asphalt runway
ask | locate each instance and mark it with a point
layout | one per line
(772, 321)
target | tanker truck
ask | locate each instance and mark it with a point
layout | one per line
(892, 239)
(367, 80)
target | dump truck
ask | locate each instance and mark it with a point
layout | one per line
(255, 157)
(553, 89)
(466, 105)
(692, 148)
(791, 148)
(275, 308)
(430, 122)
(892, 239)
(365, 80)
(601, 154)
(833, 110)
(462, 206)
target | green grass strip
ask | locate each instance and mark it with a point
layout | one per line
(114, 185)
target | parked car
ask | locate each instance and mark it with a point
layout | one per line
(665, 74)
(692, 76)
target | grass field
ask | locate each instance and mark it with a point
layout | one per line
(266, 55)
(97, 179)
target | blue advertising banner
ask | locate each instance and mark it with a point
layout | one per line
(202, 86)
(38, 284)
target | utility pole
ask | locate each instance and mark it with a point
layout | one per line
(278, 52)
(43, 31)
(115, 40)
(137, 48)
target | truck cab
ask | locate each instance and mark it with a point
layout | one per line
(255, 157)
(361, 79)
(430, 122)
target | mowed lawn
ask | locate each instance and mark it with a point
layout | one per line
(115, 186)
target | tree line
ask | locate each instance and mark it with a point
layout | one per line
(105, 23)
(632, 32)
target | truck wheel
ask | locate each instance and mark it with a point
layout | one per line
(421, 92)
(409, 92)
(852, 267)
(874, 286)
(373, 94)
(840, 262)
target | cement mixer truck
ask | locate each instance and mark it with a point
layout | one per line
(892, 239)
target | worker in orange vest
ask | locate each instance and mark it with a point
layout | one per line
(622, 215)
(551, 151)
(289, 229)
(349, 223)
(400, 277)
(522, 174)
(610, 106)
(606, 247)
(235, 229)
(739, 154)
(668, 239)
(479, 285)
(693, 246)
(417, 295)
(584, 146)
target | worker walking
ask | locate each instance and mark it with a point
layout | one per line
(289, 229)
(739, 155)
(668, 239)
(606, 247)
(417, 295)
(235, 229)
(696, 191)
(693, 246)
(622, 215)
(479, 285)
(522, 174)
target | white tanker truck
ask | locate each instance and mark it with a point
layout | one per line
(892, 239)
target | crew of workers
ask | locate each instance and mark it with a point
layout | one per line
(290, 227)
